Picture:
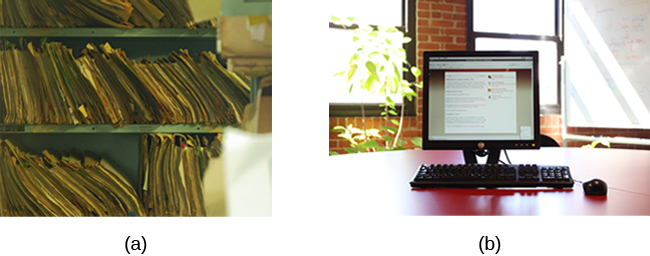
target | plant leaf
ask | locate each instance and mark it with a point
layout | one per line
(340, 73)
(396, 86)
(373, 133)
(337, 129)
(605, 142)
(387, 138)
(374, 76)
(389, 129)
(416, 71)
(351, 72)
(391, 103)
(408, 93)
(396, 71)
(417, 141)
(368, 84)
(352, 150)
(354, 57)
(406, 40)
(395, 122)
(371, 67)
(369, 144)
(359, 137)
(347, 136)
(392, 112)
(332, 153)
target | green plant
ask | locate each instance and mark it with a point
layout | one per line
(376, 66)
(359, 140)
(595, 143)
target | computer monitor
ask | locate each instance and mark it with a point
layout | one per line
(480, 102)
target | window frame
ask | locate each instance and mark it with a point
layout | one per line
(558, 38)
(373, 110)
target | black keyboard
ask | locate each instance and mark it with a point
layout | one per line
(491, 176)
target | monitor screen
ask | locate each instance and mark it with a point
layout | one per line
(480, 100)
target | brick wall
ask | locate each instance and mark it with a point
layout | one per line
(551, 125)
(441, 26)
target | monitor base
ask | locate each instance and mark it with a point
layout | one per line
(493, 155)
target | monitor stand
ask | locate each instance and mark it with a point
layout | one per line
(493, 155)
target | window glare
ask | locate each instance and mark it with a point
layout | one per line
(547, 62)
(370, 12)
(515, 16)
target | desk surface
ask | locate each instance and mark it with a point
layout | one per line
(378, 184)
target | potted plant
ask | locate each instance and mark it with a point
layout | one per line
(376, 66)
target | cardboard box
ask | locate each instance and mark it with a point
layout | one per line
(245, 37)
(255, 67)
(258, 115)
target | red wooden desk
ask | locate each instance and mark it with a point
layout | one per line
(378, 184)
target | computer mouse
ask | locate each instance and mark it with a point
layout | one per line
(595, 187)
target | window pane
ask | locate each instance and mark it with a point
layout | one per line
(548, 62)
(338, 57)
(370, 12)
(607, 60)
(591, 99)
(515, 16)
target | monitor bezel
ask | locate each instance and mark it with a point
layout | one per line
(479, 144)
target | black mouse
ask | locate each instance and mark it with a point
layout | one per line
(595, 187)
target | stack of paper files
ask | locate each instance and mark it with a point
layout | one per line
(227, 83)
(46, 85)
(172, 169)
(63, 185)
(98, 13)
(165, 14)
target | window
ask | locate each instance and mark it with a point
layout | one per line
(607, 60)
(389, 13)
(522, 25)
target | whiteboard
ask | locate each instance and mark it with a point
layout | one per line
(607, 63)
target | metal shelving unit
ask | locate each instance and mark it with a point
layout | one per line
(110, 32)
(120, 144)
(107, 128)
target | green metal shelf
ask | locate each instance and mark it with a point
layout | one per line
(107, 128)
(208, 33)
